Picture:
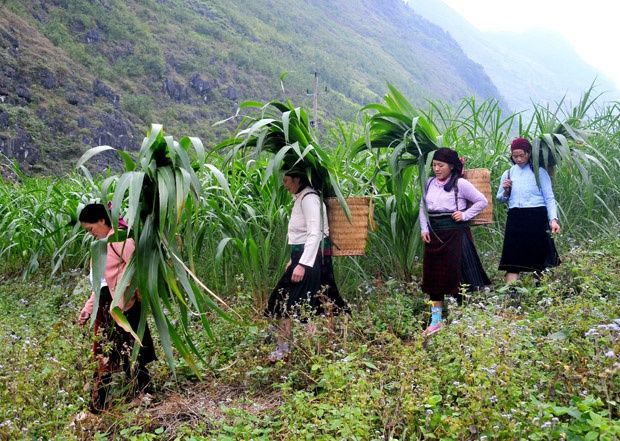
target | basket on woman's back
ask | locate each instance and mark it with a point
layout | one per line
(481, 179)
(348, 238)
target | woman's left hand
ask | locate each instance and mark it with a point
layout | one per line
(457, 216)
(83, 318)
(555, 227)
(298, 273)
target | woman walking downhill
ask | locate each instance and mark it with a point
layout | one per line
(450, 257)
(115, 357)
(532, 212)
(308, 281)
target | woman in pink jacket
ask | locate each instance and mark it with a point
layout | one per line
(115, 357)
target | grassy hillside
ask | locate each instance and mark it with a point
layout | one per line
(76, 74)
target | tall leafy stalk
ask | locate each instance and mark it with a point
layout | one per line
(477, 130)
(157, 195)
(560, 137)
(284, 131)
(242, 226)
(38, 224)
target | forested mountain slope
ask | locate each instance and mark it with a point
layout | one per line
(76, 73)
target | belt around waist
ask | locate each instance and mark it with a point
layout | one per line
(326, 247)
(439, 214)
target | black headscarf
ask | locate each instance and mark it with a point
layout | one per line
(449, 156)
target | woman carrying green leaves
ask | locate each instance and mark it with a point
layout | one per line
(450, 257)
(113, 345)
(308, 281)
(532, 212)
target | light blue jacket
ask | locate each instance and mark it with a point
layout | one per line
(526, 193)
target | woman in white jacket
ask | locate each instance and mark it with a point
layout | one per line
(308, 281)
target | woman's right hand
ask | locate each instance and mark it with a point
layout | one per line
(507, 185)
(298, 274)
(426, 237)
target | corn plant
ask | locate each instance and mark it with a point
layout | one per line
(284, 131)
(478, 131)
(159, 193)
(605, 136)
(402, 139)
(563, 137)
(243, 223)
(404, 131)
(38, 223)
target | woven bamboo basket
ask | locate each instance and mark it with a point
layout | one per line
(481, 178)
(348, 238)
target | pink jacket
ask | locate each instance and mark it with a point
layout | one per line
(119, 254)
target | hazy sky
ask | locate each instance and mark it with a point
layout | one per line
(592, 26)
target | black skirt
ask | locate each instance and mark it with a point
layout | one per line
(528, 246)
(117, 356)
(123, 342)
(317, 289)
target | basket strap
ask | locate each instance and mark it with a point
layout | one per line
(510, 189)
(371, 217)
(310, 192)
(322, 247)
(456, 194)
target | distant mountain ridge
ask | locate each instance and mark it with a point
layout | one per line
(538, 66)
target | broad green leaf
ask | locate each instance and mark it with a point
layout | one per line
(121, 320)
(92, 152)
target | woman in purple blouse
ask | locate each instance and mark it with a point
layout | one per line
(450, 257)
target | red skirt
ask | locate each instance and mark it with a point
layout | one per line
(451, 260)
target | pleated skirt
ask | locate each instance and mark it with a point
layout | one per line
(315, 291)
(451, 260)
(527, 245)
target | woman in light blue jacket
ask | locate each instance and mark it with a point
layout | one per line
(532, 212)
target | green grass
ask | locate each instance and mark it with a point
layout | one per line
(535, 372)
(43, 364)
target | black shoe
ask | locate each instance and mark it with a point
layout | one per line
(513, 297)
